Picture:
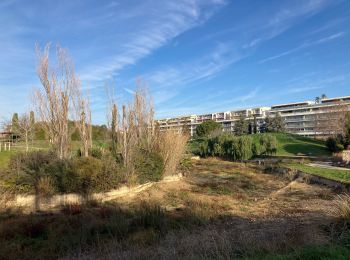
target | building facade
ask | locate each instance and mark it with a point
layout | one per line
(308, 118)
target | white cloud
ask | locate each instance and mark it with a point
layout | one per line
(303, 46)
(170, 20)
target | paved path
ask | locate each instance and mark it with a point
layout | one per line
(327, 166)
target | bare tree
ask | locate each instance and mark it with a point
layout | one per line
(25, 128)
(330, 120)
(82, 119)
(54, 100)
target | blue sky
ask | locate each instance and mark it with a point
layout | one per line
(196, 56)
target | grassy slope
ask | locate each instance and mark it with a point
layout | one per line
(338, 175)
(291, 145)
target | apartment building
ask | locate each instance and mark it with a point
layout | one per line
(312, 118)
(226, 119)
(308, 118)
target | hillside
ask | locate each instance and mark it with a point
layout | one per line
(291, 145)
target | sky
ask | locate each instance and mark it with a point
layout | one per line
(195, 56)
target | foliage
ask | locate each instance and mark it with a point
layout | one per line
(149, 166)
(207, 127)
(43, 173)
(241, 126)
(228, 146)
(268, 144)
(334, 144)
(274, 124)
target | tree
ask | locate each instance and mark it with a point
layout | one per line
(275, 124)
(278, 124)
(317, 100)
(114, 129)
(255, 125)
(53, 102)
(25, 128)
(241, 126)
(207, 127)
(15, 123)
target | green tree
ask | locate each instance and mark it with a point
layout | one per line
(207, 127)
(275, 124)
(255, 125)
(241, 126)
(15, 126)
(32, 118)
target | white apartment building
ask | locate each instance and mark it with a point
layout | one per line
(302, 118)
(310, 118)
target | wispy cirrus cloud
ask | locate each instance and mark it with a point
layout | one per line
(165, 23)
(303, 46)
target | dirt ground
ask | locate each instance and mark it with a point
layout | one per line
(242, 190)
(244, 210)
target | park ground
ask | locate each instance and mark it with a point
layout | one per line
(219, 210)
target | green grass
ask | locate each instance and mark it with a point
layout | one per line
(5, 158)
(332, 174)
(292, 145)
(38, 145)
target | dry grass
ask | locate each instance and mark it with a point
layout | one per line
(45, 186)
(341, 208)
(172, 145)
(222, 210)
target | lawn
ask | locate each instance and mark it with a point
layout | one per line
(332, 174)
(291, 145)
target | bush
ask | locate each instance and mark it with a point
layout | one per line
(43, 173)
(268, 144)
(28, 169)
(93, 152)
(149, 166)
(334, 145)
(229, 146)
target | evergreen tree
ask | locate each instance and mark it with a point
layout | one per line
(278, 124)
(255, 125)
(15, 124)
(207, 127)
(241, 126)
(32, 118)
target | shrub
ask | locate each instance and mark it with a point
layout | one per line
(149, 166)
(86, 171)
(333, 145)
(172, 147)
(93, 152)
(268, 144)
(28, 168)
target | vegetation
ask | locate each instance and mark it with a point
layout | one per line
(332, 174)
(241, 126)
(206, 128)
(220, 215)
(235, 147)
(274, 124)
(283, 144)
